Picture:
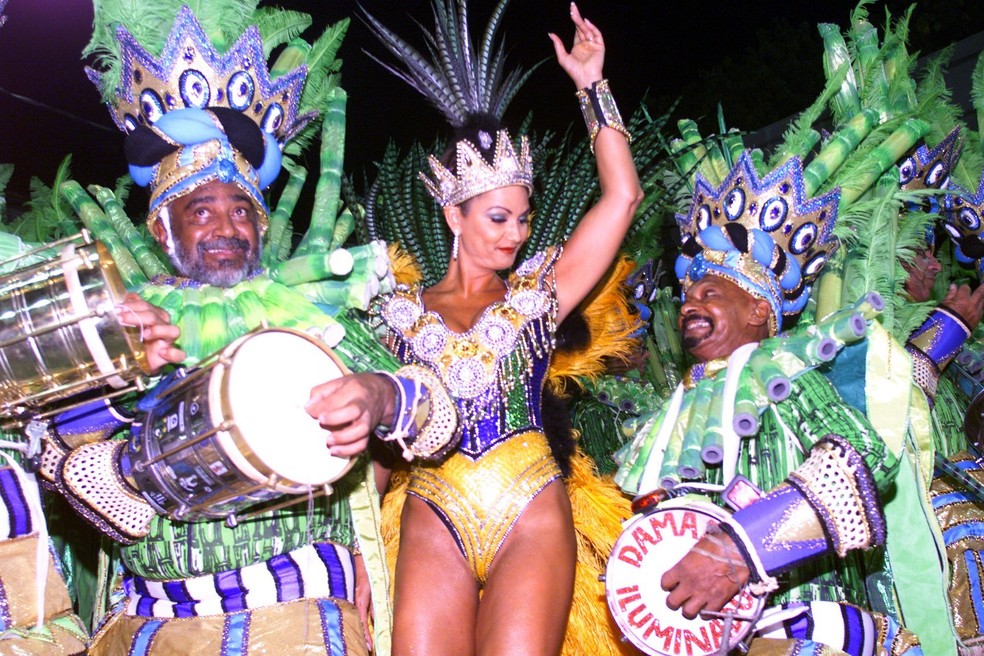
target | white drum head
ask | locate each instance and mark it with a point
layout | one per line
(648, 546)
(268, 384)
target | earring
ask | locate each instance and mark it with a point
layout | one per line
(454, 247)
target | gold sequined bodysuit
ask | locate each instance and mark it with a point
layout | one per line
(495, 373)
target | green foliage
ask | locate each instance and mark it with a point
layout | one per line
(397, 207)
(46, 219)
(279, 26)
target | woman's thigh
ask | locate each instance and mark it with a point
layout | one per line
(526, 603)
(436, 595)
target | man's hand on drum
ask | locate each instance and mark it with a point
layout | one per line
(156, 331)
(711, 573)
(350, 408)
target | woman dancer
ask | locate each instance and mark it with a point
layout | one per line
(487, 549)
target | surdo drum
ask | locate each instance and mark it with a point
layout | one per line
(648, 546)
(232, 432)
(60, 329)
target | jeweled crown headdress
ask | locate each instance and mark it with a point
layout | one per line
(174, 90)
(463, 84)
(475, 175)
(764, 234)
(191, 73)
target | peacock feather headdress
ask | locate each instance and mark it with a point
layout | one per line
(181, 83)
(468, 86)
(871, 97)
(763, 234)
(191, 73)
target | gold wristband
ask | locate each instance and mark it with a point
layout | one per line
(599, 110)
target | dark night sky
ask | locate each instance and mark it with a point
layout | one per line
(653, 45)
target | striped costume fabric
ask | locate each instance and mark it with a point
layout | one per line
(304, 599)
(314, 571)
(303, 627)
(837, 628)
(15, 514)
(961, 519)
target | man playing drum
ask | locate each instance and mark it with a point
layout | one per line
(751, 250)
(291, 579)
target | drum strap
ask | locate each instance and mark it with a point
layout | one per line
(87, 326)
(319, 571)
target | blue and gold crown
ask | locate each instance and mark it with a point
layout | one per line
(762, 233)
(191, 73)
(475, 175)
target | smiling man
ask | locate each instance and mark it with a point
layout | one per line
(212, 234)
(751, 249)
(718, 316)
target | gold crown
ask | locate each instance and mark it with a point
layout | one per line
(475, 176)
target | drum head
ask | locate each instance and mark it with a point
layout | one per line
(264, 392)
(648, 546)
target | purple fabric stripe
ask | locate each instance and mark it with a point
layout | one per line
(4, 609)
(336, 572)
(331, 628)
(176, 591)
(287, 577)
(140, 586)
(15, 503)
(800, 628)
(230, 589)
(143, 641)
(853, 630)
(286, 571)
(145, 607)
(235, 640)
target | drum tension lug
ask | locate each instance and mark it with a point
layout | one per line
(232, 521)
(729, 617)
(35, 432)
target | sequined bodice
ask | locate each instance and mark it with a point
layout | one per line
(495, 370)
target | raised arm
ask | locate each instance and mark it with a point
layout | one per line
(593, 245)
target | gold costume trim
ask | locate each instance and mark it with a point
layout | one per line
(286, 628)
(481, 500)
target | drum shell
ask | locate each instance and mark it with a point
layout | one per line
(44, 356)
(187, 484)
(207, 469)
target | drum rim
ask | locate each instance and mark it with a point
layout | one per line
(223, 410)
(695, 503)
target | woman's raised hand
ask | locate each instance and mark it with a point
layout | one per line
(586, 58)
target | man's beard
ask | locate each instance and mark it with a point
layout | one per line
(690, 340)
(191, 262)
